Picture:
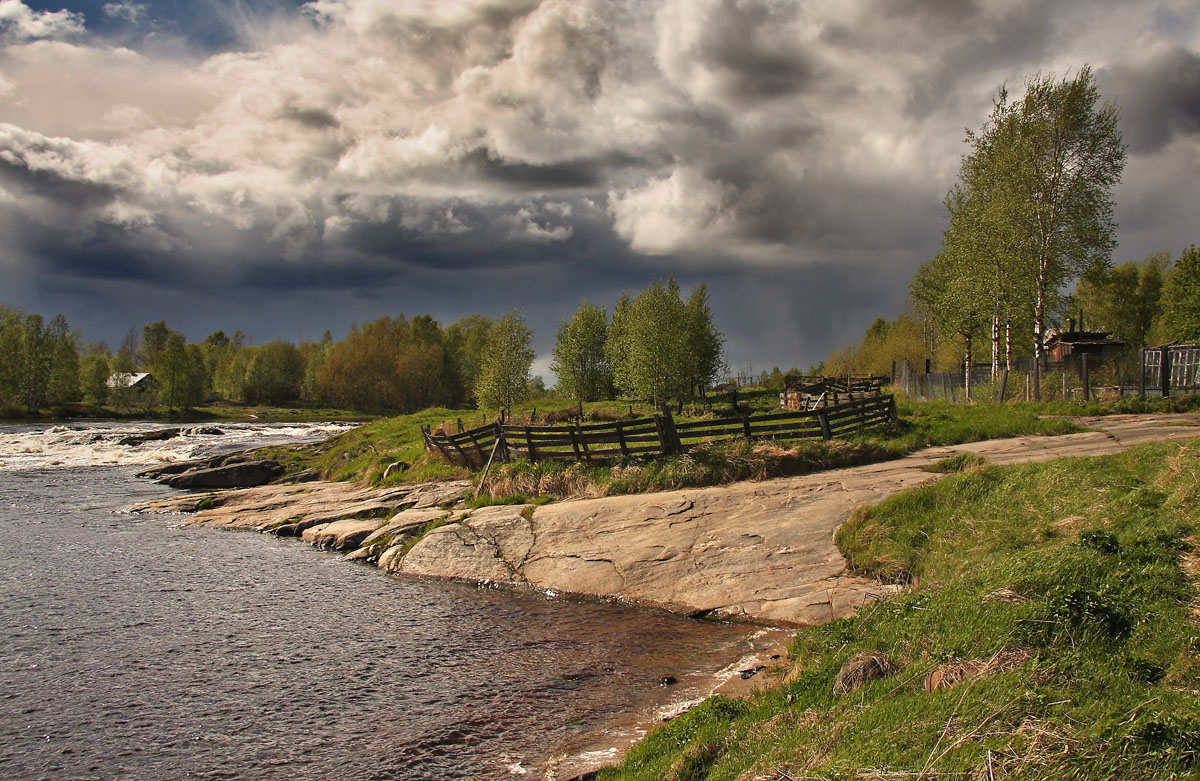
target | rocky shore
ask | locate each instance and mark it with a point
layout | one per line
(760, 551)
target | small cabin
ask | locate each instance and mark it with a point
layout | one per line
(1071, 346)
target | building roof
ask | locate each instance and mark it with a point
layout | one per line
(1103, 338)
(128, 380)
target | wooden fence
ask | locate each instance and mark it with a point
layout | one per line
(656, 435)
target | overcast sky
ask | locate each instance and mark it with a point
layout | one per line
(285, 167)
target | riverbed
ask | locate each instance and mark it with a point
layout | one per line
(139, 647)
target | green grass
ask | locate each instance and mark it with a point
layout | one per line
(717, 463)
(1064, 575)
(365, 453)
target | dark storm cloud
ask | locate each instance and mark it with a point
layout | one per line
(1159, 96)
(366, 157)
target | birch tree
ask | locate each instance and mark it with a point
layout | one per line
(1042, 170)
(504, 368)
(580, 362)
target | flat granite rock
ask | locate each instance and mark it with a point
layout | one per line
(345, 534)
(757, 550)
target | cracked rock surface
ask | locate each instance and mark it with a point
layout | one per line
(763, 551)
(757, 550)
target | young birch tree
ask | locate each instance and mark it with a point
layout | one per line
(1044, 169)
(504, 367)
(580, 362)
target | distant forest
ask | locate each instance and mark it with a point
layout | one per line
(655, 346)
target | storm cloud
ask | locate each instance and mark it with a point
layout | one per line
(347, 159)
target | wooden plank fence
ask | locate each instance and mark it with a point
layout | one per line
(656, 435)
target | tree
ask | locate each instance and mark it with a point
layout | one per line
(94, 372)
(948, 295)
(652, 344)
(1181, 298)
(274, 374)
(704, 342)
(1039, 178)
(179, 371)
(580, 362)
(464, 343)
(1125, 301)
(504, 367)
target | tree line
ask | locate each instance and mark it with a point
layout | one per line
(1031, 216)
(654, 347)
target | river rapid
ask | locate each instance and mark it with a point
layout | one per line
(134, 646)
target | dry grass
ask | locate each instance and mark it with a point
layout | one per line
(860, 669)
(956, 672)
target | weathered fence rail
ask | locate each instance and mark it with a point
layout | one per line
(656, 435)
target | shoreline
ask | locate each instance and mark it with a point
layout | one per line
(627, 547)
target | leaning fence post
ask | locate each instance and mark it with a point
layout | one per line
(529, 444)
(668, 428)
(1003, 385)
(823, 419)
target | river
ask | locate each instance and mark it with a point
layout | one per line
(135, 646)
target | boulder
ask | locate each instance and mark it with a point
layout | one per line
(238, 475)
(133, 440)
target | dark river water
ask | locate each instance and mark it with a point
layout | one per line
(132, 646)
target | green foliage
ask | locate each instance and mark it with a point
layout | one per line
(504, 369)
(39, 362)
(1181, 299)
(1061, 654)
(1033, 210)
(580, 362)
(274, 375)
(1125, 300)
(662, 348)
(94, 373)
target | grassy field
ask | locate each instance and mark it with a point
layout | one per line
(1051, 632)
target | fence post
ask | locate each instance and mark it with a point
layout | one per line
(891, 407)
(1164, 372)
(668, 436)
(1142, 373)
(621, 440)
(529, 444)
(460, 425)
(1083, 377)
(503, 443)
(746, 426)
(823, 419)
(1003, 385)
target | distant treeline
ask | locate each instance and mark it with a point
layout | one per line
(655, 346)
(1145, 303)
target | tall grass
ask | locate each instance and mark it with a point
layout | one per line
(1052, 633)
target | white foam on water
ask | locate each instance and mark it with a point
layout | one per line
(25, 447)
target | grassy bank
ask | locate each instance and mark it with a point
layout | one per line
(1052, 632)
(366, 453)
(919, 425)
